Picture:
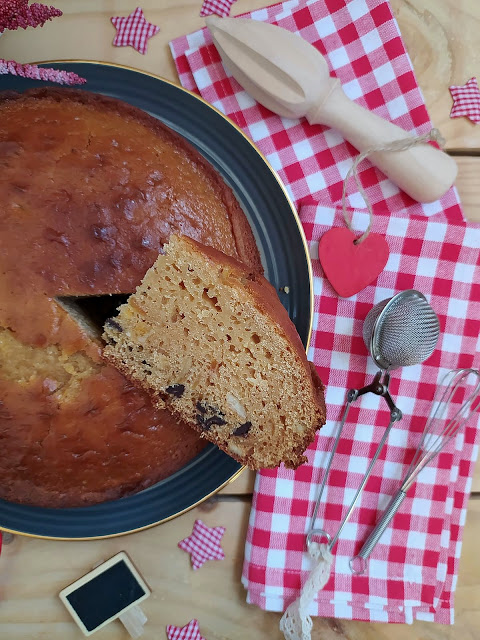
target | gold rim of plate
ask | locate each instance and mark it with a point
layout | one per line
(310, 277)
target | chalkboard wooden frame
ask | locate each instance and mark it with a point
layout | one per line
(66, 593)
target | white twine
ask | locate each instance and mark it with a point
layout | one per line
(397, 145)
(296, 623)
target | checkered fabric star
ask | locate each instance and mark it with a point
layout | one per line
(203, 544)
(219, 7)
(133, 31)
(466, 101)
(190, 631)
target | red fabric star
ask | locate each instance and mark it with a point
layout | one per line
(466, 101)
(133, 31)
(189, 632)
(203, 544)
(220, 7)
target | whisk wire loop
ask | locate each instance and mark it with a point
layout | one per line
(432, 443)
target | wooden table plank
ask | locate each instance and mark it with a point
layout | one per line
(243, 485)
(476, 481)
(468, 185)
(440, 35)
(34, 571)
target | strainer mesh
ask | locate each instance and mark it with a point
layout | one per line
(407, 333)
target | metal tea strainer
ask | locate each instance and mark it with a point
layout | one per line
(399, 332)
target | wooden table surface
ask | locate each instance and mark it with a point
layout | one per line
(441, 37)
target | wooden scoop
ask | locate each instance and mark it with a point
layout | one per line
(290, 77)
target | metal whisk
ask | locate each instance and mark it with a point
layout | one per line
(438, 432)
(398, 332)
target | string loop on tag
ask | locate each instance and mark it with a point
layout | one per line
(296, 622)
(396, 145)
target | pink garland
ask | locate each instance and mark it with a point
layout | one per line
(17, 14)
(39, 73)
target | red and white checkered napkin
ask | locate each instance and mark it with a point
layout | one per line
(412, 572)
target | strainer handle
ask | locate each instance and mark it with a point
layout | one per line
(379, 386)
(394, 416)
(351, 397)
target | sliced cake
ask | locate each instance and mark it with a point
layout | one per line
(210, 340)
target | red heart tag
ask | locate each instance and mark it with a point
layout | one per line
(350, 267)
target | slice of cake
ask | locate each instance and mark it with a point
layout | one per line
(211, 341)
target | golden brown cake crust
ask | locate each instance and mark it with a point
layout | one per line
(91, 188)
(245, 248)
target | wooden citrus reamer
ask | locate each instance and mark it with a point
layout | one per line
(290, 77)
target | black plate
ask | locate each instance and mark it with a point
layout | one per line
(285, 258)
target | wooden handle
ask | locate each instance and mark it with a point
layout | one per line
(134, 620)
(424, 172)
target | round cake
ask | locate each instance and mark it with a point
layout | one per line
(91, 188)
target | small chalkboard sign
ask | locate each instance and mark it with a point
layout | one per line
(112, 590)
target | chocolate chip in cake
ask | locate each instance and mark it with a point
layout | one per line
(215, 420)
(204, 407)
(243, 429)
(176, 390)
(207, 423)
(114, 324)
(201, 407)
